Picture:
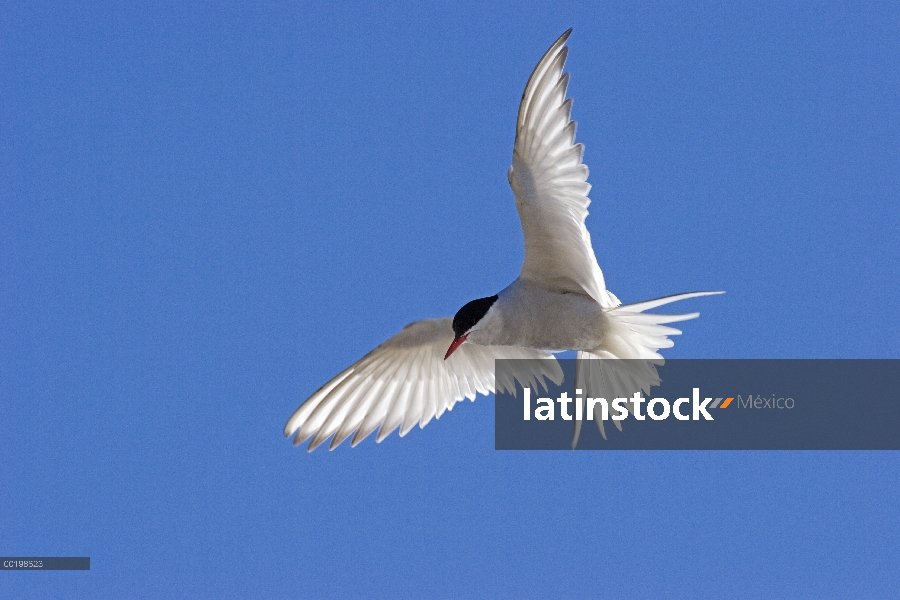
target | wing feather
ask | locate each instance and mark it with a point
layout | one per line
(550, 185)
(406, 381)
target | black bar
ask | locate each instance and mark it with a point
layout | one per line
(45, 563)
(777, 404)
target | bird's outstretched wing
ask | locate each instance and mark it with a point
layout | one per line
(550, 184)
(406, 381)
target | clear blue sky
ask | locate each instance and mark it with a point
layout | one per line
(207, 211)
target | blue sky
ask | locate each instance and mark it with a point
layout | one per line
(207, 211)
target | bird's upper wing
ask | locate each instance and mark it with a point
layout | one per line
(550, 184)
(406, 380)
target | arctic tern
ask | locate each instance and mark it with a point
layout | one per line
(559, 302)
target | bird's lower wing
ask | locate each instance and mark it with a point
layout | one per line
(406, 381)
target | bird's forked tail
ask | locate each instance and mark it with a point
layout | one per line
(629, 353)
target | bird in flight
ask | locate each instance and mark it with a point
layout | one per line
(559, 302)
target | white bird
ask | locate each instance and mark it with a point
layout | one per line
(559, 302)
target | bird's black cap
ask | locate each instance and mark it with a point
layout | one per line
(471, 313)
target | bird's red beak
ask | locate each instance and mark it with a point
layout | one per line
(456, 344)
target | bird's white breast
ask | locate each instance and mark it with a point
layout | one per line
(532, 316)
